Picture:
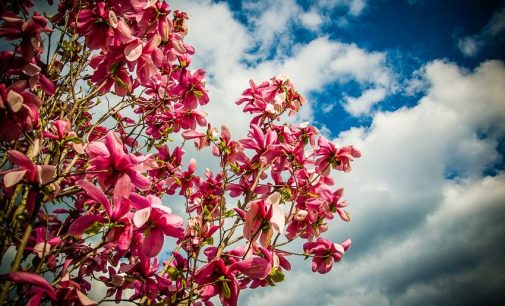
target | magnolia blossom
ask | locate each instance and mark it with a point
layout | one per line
(324, 253)
(157, 221)
(82, 195)
(32, 173)
(339, 159)
(115, 167)
(262, 218)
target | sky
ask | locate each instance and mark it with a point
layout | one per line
(419, 88)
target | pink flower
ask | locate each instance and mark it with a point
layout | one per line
(95, 25)
(194, 92)
(28, 31)
(19, 110)
(27, 278)
(157, 221)
(110, 69)
(216, 278)
(264, 143)
(117, 211)
(114, 166)
(231, 151)
(338, 159)
(324, 252)
(264, 216)
(60, 129)
(33, 174)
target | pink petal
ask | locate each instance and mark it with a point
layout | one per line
(31, 69)
(96, 194)
(11, 178)
(15, 101)
(133, 51)
(21, 160)
(97, 148)
(192, 165)
(45, 173)
(114, 145)
(240, 212)
(32, 279)
(140, 181)
(256, 268)
(113, 19)
(346, 244)
(82, 223)
(122, 189)
(141, 216)
(153, 242)
(278, 219)
(84, 300)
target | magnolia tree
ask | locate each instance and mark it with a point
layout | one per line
(96, 105)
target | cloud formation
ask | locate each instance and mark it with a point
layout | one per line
(426, 218)
(470, 46)
(426, 198)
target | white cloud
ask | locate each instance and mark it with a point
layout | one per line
(362, 104)
(471, 45)
(419, 236)
(354, 7)
(311, 19)
(401, 182)
(222, 43)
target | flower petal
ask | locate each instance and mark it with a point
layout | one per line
(153, 242)
(96, 194)
(133, 51)
(32, 279)
(15, 101)
(141, 216)
(11, 178)
(45, 173)
(256, 268)
(82, 223)
(84, 300)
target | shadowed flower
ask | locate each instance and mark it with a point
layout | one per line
(264, 216)
(157, 221)
(324, 252)
(114, 166)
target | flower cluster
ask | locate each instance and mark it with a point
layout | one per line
(97, 104)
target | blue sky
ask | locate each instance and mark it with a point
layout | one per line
(419, 88)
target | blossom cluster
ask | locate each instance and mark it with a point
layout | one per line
(96, 105)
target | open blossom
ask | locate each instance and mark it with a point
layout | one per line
(32, 173)
(19, 110)
(264, 143)
(218, 279)
(114, 166)
(28, 31)
(109, 71)
(95, 24)
(157, 221)
(262, 217)
(339, 159)
(324, 253)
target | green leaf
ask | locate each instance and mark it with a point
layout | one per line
(94, 228)
(277, 276)
(226, 290)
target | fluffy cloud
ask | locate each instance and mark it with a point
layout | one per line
(427, 221)
(471, 45)
(426, 216)
(225, 47)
